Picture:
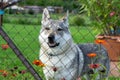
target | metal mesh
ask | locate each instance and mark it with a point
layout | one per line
(24, 30)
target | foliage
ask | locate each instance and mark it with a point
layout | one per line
(31, 12)
(106, 13)
(66, 4)
(78, 20)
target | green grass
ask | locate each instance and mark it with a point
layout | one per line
(26, 39)
(25, 36)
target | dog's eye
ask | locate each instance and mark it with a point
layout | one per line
(47, 28)
(59, 29)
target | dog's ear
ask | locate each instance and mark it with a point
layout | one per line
(45, 15)
(65, 19)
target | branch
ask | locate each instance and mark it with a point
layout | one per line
(11, 3)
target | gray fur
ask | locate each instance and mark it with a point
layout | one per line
(101, 53)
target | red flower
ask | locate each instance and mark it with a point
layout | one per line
(94, 66)
(5, 46)
(99, 41)
(91, 55)
(38, 63)
(5, 74)
(54, 69)
(112, 13)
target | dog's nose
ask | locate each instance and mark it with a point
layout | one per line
(51, 38)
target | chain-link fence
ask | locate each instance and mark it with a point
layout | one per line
(19, 30)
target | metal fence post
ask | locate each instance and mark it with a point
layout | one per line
(1, 16)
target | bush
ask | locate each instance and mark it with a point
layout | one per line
(66, 4)
(78, 21)
(31, 12)
(104, 12)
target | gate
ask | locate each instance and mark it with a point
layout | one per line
(14, 48)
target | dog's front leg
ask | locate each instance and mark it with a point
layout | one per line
(49, 74)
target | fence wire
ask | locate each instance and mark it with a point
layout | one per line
(23, 27)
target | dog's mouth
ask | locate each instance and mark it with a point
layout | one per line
(51, 41)
(53, 44)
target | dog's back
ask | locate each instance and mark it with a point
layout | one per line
(102, 58)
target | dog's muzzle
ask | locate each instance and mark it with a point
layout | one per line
(51, 42)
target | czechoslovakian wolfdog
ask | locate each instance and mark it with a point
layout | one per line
(64, 59)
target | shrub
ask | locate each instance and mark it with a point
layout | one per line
(31, 12)
(104, 12)
(78, 21)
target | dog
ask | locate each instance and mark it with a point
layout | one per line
(65, 60)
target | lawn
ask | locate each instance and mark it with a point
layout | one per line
(25, 36)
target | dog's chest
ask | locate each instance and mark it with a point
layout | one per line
(64, 65)
(58, 61)
(61, 67)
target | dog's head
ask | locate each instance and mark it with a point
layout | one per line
(54, 34)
